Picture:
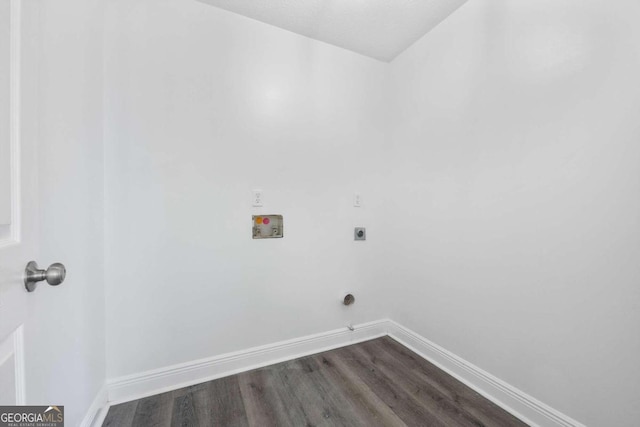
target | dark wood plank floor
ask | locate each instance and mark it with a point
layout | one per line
(375, 383)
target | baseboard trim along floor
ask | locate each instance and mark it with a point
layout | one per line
(513, 400)
(508, 397)
(97, 410)
(148, 383)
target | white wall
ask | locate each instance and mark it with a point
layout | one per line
(498, 163)
(514, 206)
(65, 330)
(202, 106)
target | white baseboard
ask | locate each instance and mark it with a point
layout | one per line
(131, 387)
(513, 400)
(97, 410)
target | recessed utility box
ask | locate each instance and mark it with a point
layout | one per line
(267, 226)
(360, 233)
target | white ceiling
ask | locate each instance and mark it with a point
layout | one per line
(381, 29)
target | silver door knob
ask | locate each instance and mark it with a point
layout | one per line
(54, 275)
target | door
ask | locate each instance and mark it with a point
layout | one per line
(18, 190)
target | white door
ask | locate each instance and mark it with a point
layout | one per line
(18, 204)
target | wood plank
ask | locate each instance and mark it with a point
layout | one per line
(363, 402)
(154, 411)
(460, 394)
(325, 403)
(121, 415)
(440, 404)
(346, 410)
(184, 410)
(261, 400)
(374, 383)
(407, 409)
(304, 405)
(220, 403)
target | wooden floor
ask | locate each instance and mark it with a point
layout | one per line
(375, 383)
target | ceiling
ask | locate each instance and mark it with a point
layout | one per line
(381, 29)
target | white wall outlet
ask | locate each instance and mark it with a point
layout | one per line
(357, 200)
(257, 198)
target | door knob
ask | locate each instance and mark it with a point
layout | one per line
(54, 275)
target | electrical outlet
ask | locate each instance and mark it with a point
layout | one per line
(360, 233)
(256, 199)
(357, 200)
